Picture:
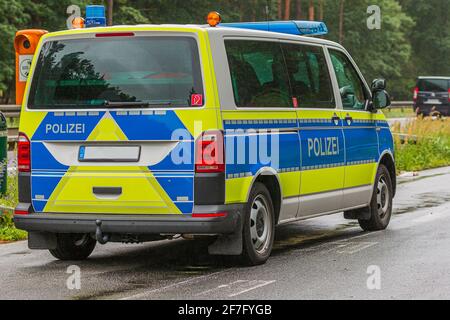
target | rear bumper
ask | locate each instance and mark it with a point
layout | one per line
(426, 109)
(136, 224)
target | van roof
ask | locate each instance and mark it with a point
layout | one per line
(228, 31)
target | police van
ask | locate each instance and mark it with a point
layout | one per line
(141, 133)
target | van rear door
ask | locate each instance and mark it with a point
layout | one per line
(110, 139)
(433, 92)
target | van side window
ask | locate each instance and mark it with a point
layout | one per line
(352, 90)
(309, 76)
(258, 74)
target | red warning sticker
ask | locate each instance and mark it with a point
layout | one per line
(196, 100)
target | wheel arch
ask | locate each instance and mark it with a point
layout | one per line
(388, 160)
(270, 178)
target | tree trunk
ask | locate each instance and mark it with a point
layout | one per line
(298, 13)
(321, 10)
(110, 12)
(280, 9)
(287, 10)
(311, 10)
(341, 22)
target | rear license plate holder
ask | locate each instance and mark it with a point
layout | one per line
(433, 101)
(104, 153)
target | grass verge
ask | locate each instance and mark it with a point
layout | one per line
(406, 112)
(7, 230)
(425, 144)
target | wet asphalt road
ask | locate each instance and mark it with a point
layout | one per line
(323, 258)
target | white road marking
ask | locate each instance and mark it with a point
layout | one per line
(219, 288)
(235, 288)
(260, 285)
(354, 247)
(173, 285)
(345, 246)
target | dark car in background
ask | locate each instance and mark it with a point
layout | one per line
(432, 96)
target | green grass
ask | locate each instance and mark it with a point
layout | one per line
(7, 230)
(406, 112)
(429, 149)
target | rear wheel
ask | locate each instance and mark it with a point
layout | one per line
(73, 246)
(259, 226)
(381, 203)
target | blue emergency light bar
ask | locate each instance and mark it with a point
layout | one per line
(95, 16)
(299, 28)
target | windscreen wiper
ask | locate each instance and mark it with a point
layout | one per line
(132, 104)
(126, 104)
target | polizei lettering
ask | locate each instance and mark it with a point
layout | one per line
(65, 128)
(322, 147)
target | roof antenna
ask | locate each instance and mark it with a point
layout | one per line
(268, 13)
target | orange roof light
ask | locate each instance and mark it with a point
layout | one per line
(214, 18)
(78, 23)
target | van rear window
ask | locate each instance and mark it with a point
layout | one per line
(433, 85)
(92, 73)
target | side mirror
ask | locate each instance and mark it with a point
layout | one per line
(378, 84)
(381, 99)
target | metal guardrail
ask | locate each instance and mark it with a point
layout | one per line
(12, 112)
(401, 104)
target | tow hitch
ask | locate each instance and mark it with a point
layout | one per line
(99, 235)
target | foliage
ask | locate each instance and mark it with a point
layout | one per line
(428, 145)
(7, 230)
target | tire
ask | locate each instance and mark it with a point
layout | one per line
(381, 204)
(73, 247)
(259, 227)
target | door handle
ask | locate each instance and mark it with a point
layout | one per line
(107, 191)
(348, 119)
(336, 119)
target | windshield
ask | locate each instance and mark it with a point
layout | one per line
(134, 71)
(433, 85)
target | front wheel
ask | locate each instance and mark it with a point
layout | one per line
(381, 203)
(259, 226)
(73, 247)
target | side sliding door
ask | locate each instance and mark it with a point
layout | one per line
(320, 129)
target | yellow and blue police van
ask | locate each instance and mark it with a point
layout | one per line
(141, 133)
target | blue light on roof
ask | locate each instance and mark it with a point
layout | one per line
(95, 16)
(300, 28)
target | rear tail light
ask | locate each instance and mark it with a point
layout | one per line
(209, 215)
(448, 95)
(23, 153)
(20, 212)
(416, 93)
(209, 153)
